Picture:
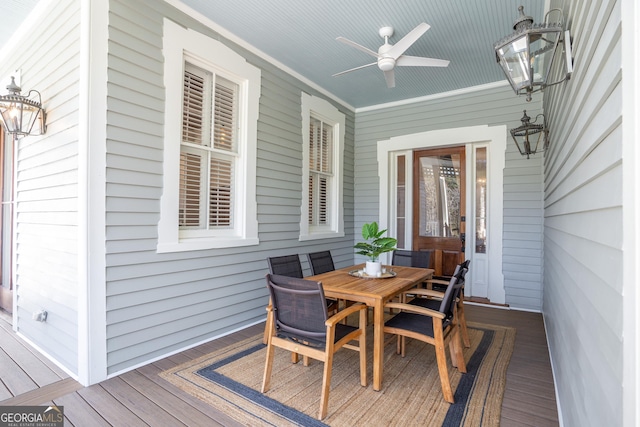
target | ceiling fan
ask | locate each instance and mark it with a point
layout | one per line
(391, 55)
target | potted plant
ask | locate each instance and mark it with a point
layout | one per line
(373, 246)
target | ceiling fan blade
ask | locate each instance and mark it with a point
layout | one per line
(390, 78)
(357, 46)
(418, 61)
(404, 43)
(353, 69)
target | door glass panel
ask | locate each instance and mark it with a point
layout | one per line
(400, 202)
(481, 200)
(440, 196)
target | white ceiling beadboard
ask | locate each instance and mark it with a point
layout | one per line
(302, 37)
(12, 14)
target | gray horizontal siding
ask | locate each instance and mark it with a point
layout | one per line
(522, 263)
(46, 200)
(160, 303)
(583, 222)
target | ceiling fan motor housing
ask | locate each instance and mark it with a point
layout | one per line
(385, 62)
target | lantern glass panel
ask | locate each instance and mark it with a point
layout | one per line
(514, 59)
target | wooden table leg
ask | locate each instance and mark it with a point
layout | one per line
(378, 344)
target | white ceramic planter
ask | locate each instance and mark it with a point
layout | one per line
(373, 268)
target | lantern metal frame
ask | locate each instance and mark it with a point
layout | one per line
(529, 129)
(20, 113)
(527, 56)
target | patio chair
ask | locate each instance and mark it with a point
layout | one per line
(320, 262)
(439, 282)
(290, 266)
(432, 299)
(407, 258)
(411, 258)
(301, 325)
(287, 265)
(437, 328)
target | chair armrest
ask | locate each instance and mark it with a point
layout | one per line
(425, 292)
(344, 313)
(415, 309)
(437, 282)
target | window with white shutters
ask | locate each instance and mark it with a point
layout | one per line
(208, 150)
(209, 160)
(322, 168)
(320, 171)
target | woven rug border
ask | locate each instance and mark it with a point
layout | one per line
(193, 377)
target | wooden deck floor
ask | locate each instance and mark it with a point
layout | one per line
(142, 398)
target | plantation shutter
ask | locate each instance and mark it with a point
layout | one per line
(220, 197)
(225, 114)
(221, 176)
(190, 189)
(208, 150)
(320, 171)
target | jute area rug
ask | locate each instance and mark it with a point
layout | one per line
(230, 380)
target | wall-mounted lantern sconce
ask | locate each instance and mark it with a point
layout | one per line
(527, 56)
(525, 136)
(20, 113)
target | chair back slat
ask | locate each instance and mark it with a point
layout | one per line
(320, 262)
(299, 307)
(408, 258)
(287, 265)
(452, 292)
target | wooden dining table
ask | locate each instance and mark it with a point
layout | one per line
(374, 292)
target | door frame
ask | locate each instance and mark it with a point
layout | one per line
(493, 136)
(6, 221)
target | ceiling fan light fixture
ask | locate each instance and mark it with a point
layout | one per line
(386, 64)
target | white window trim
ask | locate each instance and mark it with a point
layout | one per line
(321, 108)
(176, 42)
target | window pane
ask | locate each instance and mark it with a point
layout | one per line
(225, 115)
(195, 105)
(326, 148)
(440, 196)
(320, 146)
(314, 137)
(190, 190)
(322, 201)
(481, 200)
(318, 200)
(311, 197)
(220, 193)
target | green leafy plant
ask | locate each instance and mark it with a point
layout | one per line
(374, 243)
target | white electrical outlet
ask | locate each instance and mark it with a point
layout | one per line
(40, 316)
